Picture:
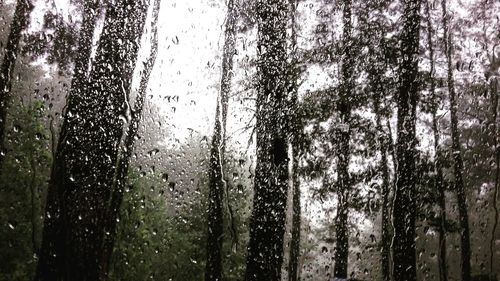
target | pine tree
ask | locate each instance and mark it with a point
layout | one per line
(86, 159)
(50, 266)
(296, 128)
(439, 185)
(128, 148)
(404, 212)
(267, 224)
(213, 271)
(383, 169)
(344, 136)
(456, 152)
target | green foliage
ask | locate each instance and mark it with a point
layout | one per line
(23, 181)
(160, 239)
(57, 41)
(154, 242)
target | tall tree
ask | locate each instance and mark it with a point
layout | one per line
(376, 85)
(458, 165)
(437, 165)
(385, 188)
(296, 128)
(404, 212)
(491, 76)
(86, 159)
(20, 22)
(213, 271)
(128, 147)
(496, 142)
(343, 137)
(267, 224)
(50, 265)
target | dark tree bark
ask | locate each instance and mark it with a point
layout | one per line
(293, 274)
(20, 22)
(458, 165)
(50, 265)
(386, 185)
(128, 148)
(296, 128)
(376, 66)
(491, 77)
(438, 167)
(404, 208)
(213, 270)
(86, 159)
(386, 229)
(343, 138)
(267, 224)
(496, 141)
(33, 196)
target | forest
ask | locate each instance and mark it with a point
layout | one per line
(256, 140)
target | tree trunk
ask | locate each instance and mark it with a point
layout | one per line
(34, 211)
(267, 224)
(86, 161)
(51, 263)
(344, 136)
(404, 209)
(296, 220)
(20, 22)
(385, 188)
(457, 157)
(438, 170)
(296, 125)
(375, 76)
(128, 148)
(496, 137)
(213, 270)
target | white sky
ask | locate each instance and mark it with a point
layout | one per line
(188, 63)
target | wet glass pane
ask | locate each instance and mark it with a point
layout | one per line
(257, 140)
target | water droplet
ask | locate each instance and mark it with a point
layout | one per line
(164, 177)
